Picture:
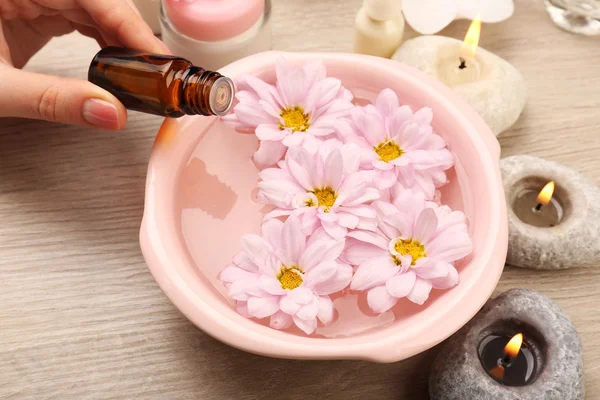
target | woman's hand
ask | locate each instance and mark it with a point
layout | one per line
(27, 25)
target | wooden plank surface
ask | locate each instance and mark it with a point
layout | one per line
(80, 315)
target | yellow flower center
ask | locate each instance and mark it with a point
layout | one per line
(388, 151)
(295, 119)
(326, 197)
(290, 278)
(410, 247)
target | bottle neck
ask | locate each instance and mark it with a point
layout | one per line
(196, 91)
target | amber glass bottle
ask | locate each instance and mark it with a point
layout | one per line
(159, 84)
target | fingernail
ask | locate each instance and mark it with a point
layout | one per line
(100, 113)
(164, 47)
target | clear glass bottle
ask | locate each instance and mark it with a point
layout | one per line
(576, 16)
(216, 33)
(160, 84)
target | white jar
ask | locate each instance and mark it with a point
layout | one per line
(212, 34)
(379, 27)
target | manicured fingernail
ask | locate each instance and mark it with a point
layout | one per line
(165, 49)
(100, 113)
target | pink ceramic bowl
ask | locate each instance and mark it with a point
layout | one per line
(199, 201)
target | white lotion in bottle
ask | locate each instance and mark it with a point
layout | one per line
(379, 28)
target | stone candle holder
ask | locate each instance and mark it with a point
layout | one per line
(551, 339)
(491, 85)
(574, 240)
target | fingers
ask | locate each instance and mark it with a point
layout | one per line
(91, 33)
(120, 18)
(51, 98)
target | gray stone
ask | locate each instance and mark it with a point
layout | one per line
(498, 94)
(457, 373)
(575, 241)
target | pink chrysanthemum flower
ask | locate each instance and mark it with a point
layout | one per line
(412, 252)
(301, 109)
(398, 145)
(287, 276)
(326, 190)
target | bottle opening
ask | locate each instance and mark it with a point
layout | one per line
(222, 93)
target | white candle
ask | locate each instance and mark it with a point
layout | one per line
(488, 83)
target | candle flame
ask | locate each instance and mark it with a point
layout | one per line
(469, 46)
(514, 345)
(545, 194)
(498, 372)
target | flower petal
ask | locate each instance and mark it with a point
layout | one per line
(310, 310)
(371, 238)
(451, 246)
(264, 90)
(373, 272)
(337, 282)
(242, 260)
(387, 102)
(489, 11)
(448, 281)
(268, 153)
(325, 313)
(326, 249)
(271, 285)
(428, 23)
(401, 285)
(348, 220)
(256, 248)
(233, 273)
(370, 125)
(360, 252)
(380, 300)
(299, 172)
(280, 320)
(320, 273)
(351, 156)
(425, 225)
(334, 169)
(334, 229)
(302, 295)
(420, 292)
(271, 232)
(385, 179)
(261, 307)
(293, 240)
(270, 132)
(307, 326)
(361, 210)
(293, 140)
(288, 305)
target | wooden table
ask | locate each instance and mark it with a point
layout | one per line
(81, 316)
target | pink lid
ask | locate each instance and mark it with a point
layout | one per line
(213, 20)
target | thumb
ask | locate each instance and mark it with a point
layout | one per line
(52, 98)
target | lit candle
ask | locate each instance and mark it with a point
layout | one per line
(519, 346)
(539, 209)
(491, 85)
(511, 363)
(553, 214)
(465, 68)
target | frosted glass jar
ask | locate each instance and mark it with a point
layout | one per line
(149, 10)
(212, 34)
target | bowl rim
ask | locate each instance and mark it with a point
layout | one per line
(159, 253)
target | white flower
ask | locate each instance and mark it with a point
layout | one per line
(431, 16)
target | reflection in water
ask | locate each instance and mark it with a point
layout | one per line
(200, 189)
